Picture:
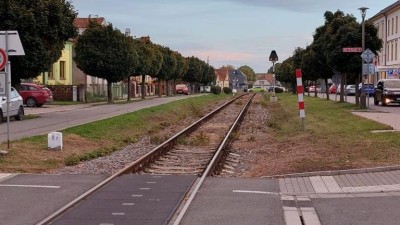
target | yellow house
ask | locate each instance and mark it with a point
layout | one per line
(61, 71)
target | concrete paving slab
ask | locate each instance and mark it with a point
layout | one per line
(132, 199)
(28, 198)
(218, 203)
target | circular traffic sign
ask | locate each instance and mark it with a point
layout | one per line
(3, 59)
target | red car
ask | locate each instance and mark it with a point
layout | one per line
(333, 89)
(35, 95)
(182, 89)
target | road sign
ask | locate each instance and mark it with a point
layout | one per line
(3, 59)
(14, 44)
(352, 49)
(368, 55)
(368, 69)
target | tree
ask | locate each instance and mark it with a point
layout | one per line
(150, 60)
(43, 27)
(103, 52)
(194, 70)
(341, 31)
(168, 66)
(249, 72)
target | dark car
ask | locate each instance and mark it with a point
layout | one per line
(387, 91)
(35, 95)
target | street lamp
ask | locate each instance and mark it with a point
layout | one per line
(273, 57)
(127, 34)
(363, 103)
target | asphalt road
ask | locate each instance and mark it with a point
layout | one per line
(58, 120)
(391, 108)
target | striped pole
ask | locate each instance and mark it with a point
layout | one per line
(300, 96)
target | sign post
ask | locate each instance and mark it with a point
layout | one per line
(367, 68)
(11, 43)
(300, 96)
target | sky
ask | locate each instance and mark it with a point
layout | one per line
(225, 32)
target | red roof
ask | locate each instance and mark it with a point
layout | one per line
(221, 73)
(84, 22)
(265, 76)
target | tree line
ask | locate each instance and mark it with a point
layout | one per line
(101, 51)
(324, 57)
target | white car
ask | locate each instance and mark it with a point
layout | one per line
(16, 106)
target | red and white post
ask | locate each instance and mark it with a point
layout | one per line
(300, 96)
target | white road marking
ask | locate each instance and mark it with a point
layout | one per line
(30, 186)
(128, 203)
(255, 192)
(5, 176)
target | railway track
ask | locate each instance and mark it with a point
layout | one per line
(196, 150)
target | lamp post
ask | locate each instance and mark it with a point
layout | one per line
(363, 103)
(127, 34)
(273, 57)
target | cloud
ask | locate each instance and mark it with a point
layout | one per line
(299, 5)
(221, 55)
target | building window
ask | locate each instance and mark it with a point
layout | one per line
(387, 53)
(51, 74)
(395, 50)
(62, 70)
(397, 23)
(392, 25)
(383, 30)
(388, 27)
(391, 51)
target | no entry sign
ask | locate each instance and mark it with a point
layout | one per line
(3, 59)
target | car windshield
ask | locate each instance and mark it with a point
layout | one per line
(392, 83)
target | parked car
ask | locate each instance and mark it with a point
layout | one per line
(369, 89)
(35, 95)
(182, 89)
(16, 106)
(205, 89)
(257, 89)
(332, 89)
(350, 89)
(312, 89)
(387, 91)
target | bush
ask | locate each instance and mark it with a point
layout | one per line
(227, 90)
(278, 90)
(216, 90)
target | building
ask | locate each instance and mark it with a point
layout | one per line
(222, 77)
(264, 80)
(61, 71)
(388, 60)
(238, 80)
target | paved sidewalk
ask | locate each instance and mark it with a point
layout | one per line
(348, 184)
(391, 119)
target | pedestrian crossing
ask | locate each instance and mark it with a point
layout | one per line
(346, 183)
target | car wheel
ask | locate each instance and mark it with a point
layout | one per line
(376, 101)
(21, 113)
(31, 102)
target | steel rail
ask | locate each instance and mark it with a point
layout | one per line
(213, 163)
(137, 164)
